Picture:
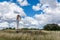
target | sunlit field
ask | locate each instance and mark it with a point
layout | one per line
(29, 35)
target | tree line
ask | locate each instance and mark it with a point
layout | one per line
(46, 27)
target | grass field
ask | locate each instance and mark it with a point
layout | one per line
(29, 35)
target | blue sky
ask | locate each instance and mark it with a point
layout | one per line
(30, 11)
(36, 13)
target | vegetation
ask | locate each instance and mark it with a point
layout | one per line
(9, 28)
(21, 28)
(33, 35)
(29, 29)
(51, 27)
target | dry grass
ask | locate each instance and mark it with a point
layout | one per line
(29, 35)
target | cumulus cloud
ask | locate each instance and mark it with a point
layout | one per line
(13, 24)
(52, 3)
(23, 2)
(51, 9)
(37, 7)
(4, 24)
(29, 22)
(10, 10)
(45, 3)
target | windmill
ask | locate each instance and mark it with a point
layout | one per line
(18, 19)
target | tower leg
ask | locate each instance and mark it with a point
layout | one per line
(17, 31)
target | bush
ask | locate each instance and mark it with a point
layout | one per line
(51, 27)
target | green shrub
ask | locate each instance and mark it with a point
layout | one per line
(51, 27)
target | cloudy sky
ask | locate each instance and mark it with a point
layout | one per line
(34, 13)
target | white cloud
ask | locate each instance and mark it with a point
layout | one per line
(4, 24)
(37, 7)
(10, 10)
(58, 4)
(51, 14)
(27, 22)
(23, 2)
(52, 3)
(31, 20)
(44, 4)
(43, 19)
(51, 9)
(59, 24)
(13, 24)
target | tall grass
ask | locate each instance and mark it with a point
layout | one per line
(29, 35)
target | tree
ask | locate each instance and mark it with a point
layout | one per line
(51, 27)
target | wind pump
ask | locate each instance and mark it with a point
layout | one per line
(18, 19)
